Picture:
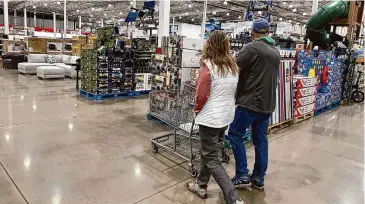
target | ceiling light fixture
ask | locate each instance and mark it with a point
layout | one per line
(239, 17)
(120, 13)
(34, 7)
(109, 5)
(58, 2)
(297, 23)
(45, 4)
(284, 2)
(104, 14)
(187, 13)
(294, 10)
(214, 12)
(280, 19)
(189, 5)
(289, 21)
(78, 10)
(290, 6)
(304, 14)
(180, 17)
(92, 8)
(225, 2)
(91, 16)
(192, 19)
(131, 2)
(227, 14)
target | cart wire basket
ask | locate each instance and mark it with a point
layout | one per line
(175, 108)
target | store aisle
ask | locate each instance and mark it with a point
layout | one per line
(58, 148)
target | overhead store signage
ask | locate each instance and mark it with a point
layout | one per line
(284, 28)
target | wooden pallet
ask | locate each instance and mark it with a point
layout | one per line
(303, 117)
(278, 126)
(105, 96)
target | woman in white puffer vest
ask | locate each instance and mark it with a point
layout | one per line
(215, 109)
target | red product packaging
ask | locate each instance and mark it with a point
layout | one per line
(304, 110)
(299, 102)
(304, 82)
(300, 93)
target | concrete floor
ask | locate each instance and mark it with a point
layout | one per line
(58, 148)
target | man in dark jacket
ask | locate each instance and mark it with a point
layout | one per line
(259, 63)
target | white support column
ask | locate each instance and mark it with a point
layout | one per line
(134, 3)
(35, 18)
(173, 26)
(163, 20)
(80, 25)
(204, 17)
(6, 17)
(54, 25)
(15, 18)
(314, 6)
(25, 22)
(102, 22)
(64, 19)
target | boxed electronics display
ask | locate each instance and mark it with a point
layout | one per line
(143, 49)
(119, 68)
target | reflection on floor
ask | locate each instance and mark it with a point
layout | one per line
(58, 148)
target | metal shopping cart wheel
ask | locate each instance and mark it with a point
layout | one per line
(357, 96)
(225, 157)
(154, 147)
(193, 172)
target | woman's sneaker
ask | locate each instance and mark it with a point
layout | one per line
(239, 201)
(194, 188)
(241, 182)
(257, 183)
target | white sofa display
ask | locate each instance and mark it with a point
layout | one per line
(38, 60)
(50, 72)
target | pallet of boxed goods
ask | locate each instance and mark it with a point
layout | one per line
(304, 97)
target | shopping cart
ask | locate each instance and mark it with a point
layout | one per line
(175, 108)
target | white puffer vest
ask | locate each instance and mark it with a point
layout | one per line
(219, 109)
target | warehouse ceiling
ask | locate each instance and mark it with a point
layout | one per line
(184, 11)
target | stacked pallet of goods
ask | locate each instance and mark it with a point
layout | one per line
(108, 70)
(143, 56)
(304, 97)
(328, 71)
(283, 114)
(331, 78)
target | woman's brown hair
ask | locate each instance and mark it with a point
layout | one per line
(217, 49)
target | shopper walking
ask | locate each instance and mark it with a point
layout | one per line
(215, 107)
(259, 63)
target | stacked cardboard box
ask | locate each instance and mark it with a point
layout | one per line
(36, 45)
(304, 97)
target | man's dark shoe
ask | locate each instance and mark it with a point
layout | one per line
(243, 181)
(257, 183)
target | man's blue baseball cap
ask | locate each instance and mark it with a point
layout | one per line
(260, 26)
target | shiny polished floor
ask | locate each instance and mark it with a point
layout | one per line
(56, 147)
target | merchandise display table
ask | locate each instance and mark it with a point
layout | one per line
(50, 72)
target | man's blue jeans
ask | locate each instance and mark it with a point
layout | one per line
(237, 130)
